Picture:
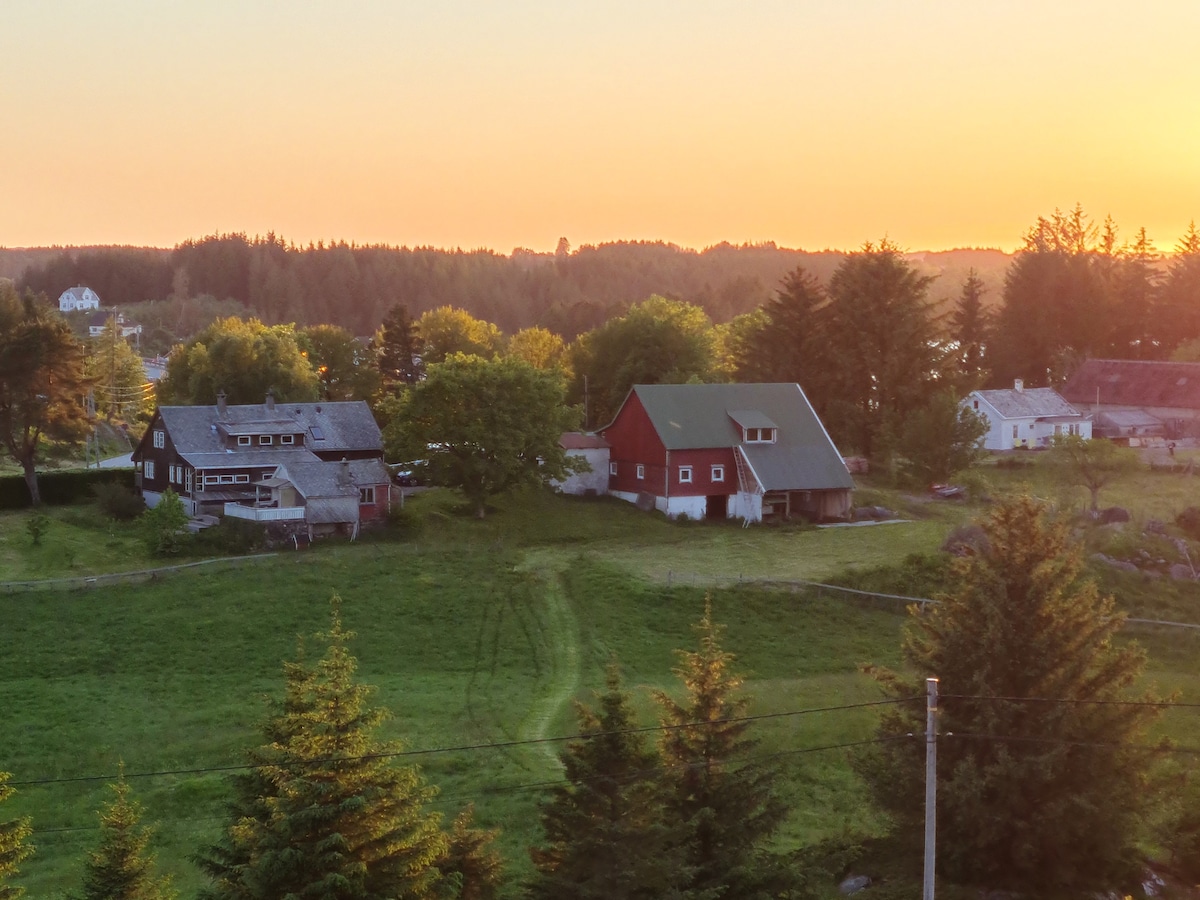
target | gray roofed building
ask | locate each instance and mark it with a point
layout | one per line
(1028, 418)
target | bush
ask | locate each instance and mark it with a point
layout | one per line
(61, 488)
(115, 501)
(165, 526)
(37, 525)
(403, 521)
(1189, 522)
(230, 537)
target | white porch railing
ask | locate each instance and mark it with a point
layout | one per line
(264, 513)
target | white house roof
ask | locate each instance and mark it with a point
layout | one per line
(1037, 403)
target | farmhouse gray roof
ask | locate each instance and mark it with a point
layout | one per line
(320, 478)
(1029, 403)
(1130, 382)
(701, 416)
(345, 425)
(247, 459)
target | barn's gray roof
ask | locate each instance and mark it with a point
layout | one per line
(700, 416)
(1029, 403)
(1130, 382)
(346, 425)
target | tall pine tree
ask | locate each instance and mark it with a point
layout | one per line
(725, 803)
(120, 868)
(1045, 789)
(14, 845)
(398, 348)
(605, 829)
(969, 323)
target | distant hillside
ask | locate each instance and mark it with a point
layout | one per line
(353, 286)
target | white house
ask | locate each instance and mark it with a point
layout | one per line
(1026, 418)
(98, 321)
(78, 297)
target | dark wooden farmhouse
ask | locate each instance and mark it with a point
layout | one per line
(1138, 398)
(751, 451)
(320, 464)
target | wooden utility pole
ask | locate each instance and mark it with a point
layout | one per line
(931, 698)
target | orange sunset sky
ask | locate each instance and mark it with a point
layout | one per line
(504, 124)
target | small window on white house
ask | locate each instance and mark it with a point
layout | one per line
(148, 469)
(612, 468)
(366, 495)
(160, 439)
(685, 474)
(264, 439)
(287, 439)
(975, 404)
(243, 440)
(641, 471)
(1015, 427)
(718, 473)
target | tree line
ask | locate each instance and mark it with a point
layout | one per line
(1049, 780)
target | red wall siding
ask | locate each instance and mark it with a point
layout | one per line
(368, 512)
(634, 440)
(702, 462)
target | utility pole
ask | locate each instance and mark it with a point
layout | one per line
(931, 698)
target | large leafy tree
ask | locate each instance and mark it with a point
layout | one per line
(606, 834)
(448, 330)
(43, 385)
(725, 803)
(940, 439)
(483, 426)
(121, 868)
(540, 347)
(1042, 773)
(1090, 464)
(659, 341)
(14, 845)
(344, 366)
(243, 358)
(881, 343)
(337, 819)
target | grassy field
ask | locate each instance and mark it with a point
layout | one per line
(474, 632)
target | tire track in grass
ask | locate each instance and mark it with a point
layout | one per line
(562, 642)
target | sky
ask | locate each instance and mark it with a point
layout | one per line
(486, 124)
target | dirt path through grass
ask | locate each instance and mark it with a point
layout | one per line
(562, 639)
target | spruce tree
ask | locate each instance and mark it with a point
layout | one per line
(339, 819)
(120, 868)
(606, 833)
(725, 802)
(472, 867)
(1042, 794)
(398, 348)
(969, 323)
(14, 845)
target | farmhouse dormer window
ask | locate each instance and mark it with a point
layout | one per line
(264, 439)
(287, 439)
(243, 440)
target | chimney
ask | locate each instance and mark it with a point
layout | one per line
(1018, 385)
(270, 404)
(221, 405)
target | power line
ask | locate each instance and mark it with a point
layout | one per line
(499, 745)
(1163, 704)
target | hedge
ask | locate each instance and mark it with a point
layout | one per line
(61, 488)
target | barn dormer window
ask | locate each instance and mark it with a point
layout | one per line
(760, 435)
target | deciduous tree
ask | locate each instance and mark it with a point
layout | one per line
(42, 381)
(1042, 772)
(1091, 464)
(724, 802)
(14, 845)
(940, 439)
(540, 347)
(120, 868)
(483, 426)
(345, 368)
(606, 831)
(448, 330)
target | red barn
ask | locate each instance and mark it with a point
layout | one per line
(750, 451)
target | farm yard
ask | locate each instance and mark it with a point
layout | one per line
(478, 633)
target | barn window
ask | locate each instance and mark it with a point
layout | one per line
(760, 435)
(718, 473)
(685, 474)
(612, 468)
(641, 471)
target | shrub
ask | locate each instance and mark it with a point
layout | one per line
(230, 536)
(1189, 522)
(165, 526)
(61, 488)
(115, 501)
(403, 521)
(37, 525)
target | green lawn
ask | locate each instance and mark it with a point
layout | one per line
(79, 541)
(474, 632)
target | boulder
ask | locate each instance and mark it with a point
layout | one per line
(852, 884)
(1156, 527)
(1113, 514)
(1181, 572)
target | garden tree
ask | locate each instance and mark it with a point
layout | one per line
(448, 330)
(883, 355)
(725, 804)
(471, 868)
(340, 819)
(1043, 797)
(42, 381)
(117, 375)
(1177, 317)
(164, 527)
(14, 845)
(243, 358)
(659, 341)
(120, 868)
(343, 365)
(968, 327)
(483, 426)
(788, 344)
(606, 832)
(541, 348)
(1056, 306)
(940, 439)
(398, 348)
(1090, 463)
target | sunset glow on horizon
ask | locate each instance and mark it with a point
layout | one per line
(467, 124)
